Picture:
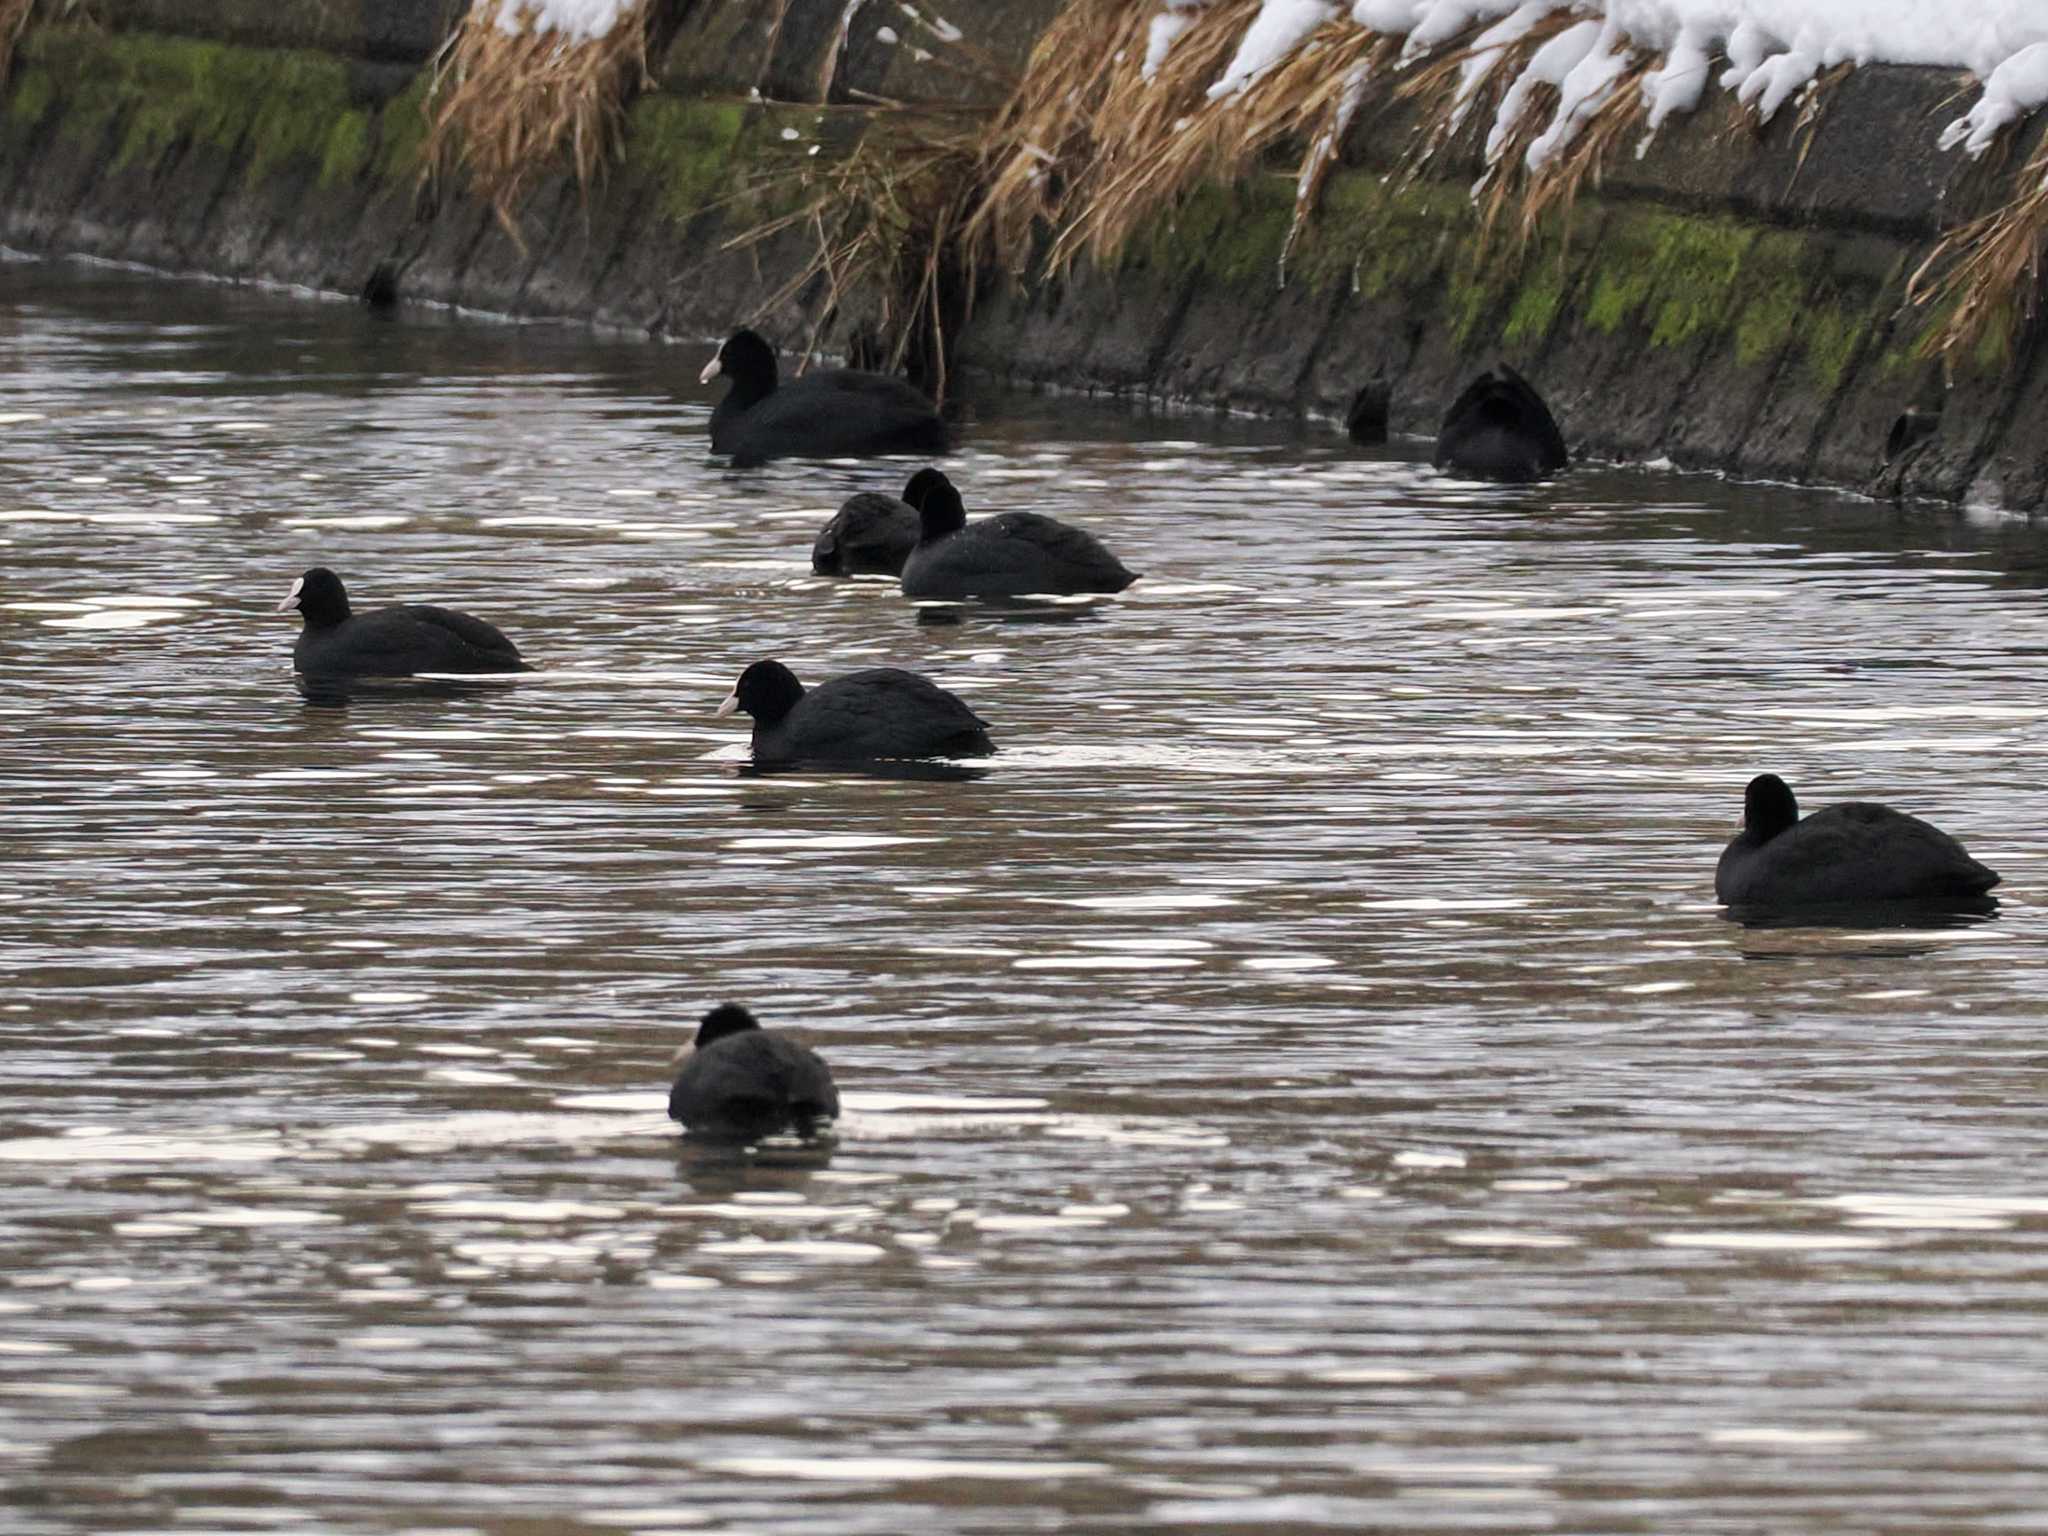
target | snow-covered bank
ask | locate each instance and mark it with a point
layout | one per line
(1774, 50)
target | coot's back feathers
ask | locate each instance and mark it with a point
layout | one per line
(870, 535)
(1500, 429)
(389, 642)
(868, 716)
(1851, 854)
(741, 1081)
(825, 413)
(1013, 554)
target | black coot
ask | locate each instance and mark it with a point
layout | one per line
(1851, 854)
(870, 535)
(866, 716)
(1500, 429)
(391, 642)
(1013, 554)
(1366, 421)
(743, 1082)
(824, 414)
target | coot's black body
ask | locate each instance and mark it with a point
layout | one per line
(1366, 421)
(824, 414)
(870, 716)
(742, 1082)
(1500, 429)
(389, 642)
(1013, 554)
(871, 535)
(1852, 854)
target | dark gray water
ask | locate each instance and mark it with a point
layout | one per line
(1305, 1085)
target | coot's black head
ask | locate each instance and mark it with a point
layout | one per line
(938, 505)
(767, 690)
(725, 1019)
(749, 362)
(320, 598)
(1768, 807)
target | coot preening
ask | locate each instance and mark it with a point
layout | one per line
(1013, 554)
(1500, 429)
(868, 716)
(391, 642)
(740, 1081)
(823, 414)
(1852, 854)
(870, 535)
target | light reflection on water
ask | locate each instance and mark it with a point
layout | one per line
(1303, 1080)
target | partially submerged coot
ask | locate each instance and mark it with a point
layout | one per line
(870, 716)
(1853, 854)
(870, 535)
(739, 1081)
(1500, 429)
(824, 414)
(1013, 554)
(390, 642)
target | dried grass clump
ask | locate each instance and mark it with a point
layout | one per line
(886, 221)
(1459, 115)
(1616, 121)
(1983, 281)
(1149, 160)
(503, 103)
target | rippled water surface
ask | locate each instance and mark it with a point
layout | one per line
(1305, 1084)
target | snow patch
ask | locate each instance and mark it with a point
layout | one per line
(1280, 27)
(2015, 88)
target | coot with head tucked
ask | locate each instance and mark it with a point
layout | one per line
(824, 414)
(740, 1081)
(389, 642)
(1013, 554)
(868, 716)
(1851, 854)
(1500, 429)
(870, 535)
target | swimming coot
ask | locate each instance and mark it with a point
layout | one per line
(1849, 854)
(391, 642)
(1500, 429)
(862, 717)
(1013, 554)
(870, 535)
(741, 1081)
(823, 414)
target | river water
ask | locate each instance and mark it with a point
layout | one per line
(1305, 1084)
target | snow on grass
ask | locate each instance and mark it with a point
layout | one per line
(577, 20)
(1774, 50)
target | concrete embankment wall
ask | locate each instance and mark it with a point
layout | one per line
(1733, 299)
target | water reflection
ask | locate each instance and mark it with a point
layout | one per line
(1928, 915)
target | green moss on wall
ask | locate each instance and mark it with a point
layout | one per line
(273, 107)
(347, 149)
(402, 132)
(1830, 337)
(1698, 264)
(1772, 296)
(687, 149)
(1385, 239)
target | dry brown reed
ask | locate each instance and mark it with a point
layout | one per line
(1616, 122)
(505, 103)
(1982, 282)
(884, 224)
